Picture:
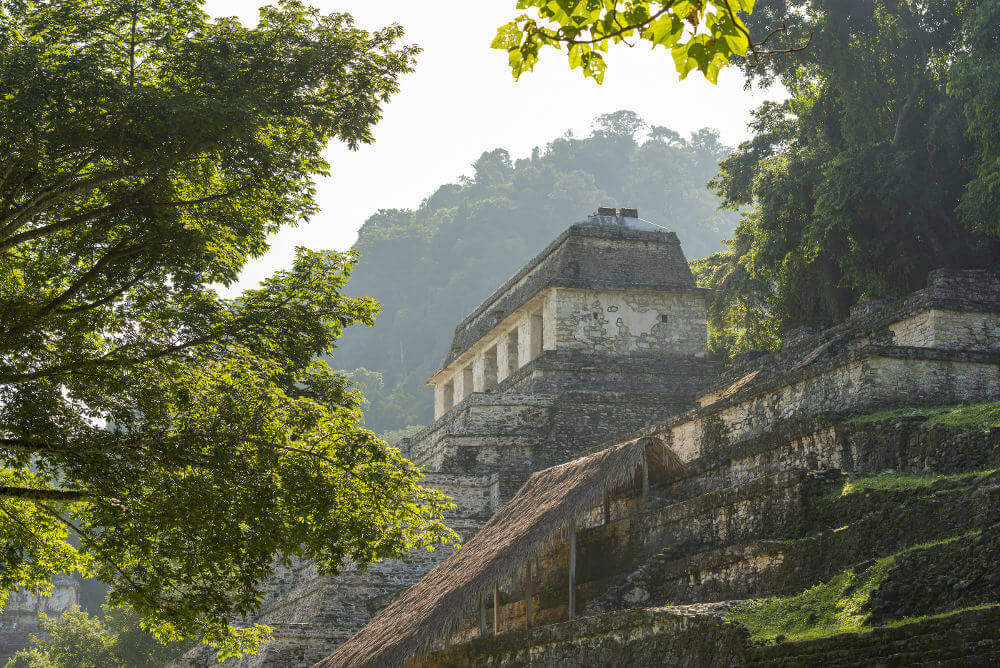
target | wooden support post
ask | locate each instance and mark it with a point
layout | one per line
(572, 570)
(527, 591)
(482, 616)
(645, 480)
(607, 509)
(496, 608)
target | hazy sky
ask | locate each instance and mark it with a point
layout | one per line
(462, 100)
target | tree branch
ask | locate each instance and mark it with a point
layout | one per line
(66, 223)
(104, 300)
(117, 252)
(760, 56)
(28, 445)
(610, 35)
(108, 360)
(34, 494)
(51, 195)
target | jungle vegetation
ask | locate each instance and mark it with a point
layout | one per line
(113, 638)
(165, 440)
(884, 163)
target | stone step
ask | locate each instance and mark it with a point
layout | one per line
(952, 640)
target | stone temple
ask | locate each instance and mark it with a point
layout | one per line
(831, 503)
(601, 333)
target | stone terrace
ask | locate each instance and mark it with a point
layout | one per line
(759, 510)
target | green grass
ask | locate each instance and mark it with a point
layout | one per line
(831, 607)
(978, 416)
(975, 417)
(898, 412)
(895, 480)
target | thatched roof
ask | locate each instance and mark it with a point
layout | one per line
(544, 506)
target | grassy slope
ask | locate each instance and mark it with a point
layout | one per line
(975, 417)
(896, 480)
(831, 607)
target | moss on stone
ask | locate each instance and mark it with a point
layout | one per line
(838, 605)
(974, 417)
(895, 480)
(977, 416)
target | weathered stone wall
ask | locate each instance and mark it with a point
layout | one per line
(959, 574)
(644, 637)
(624, 322)
(478, 496)
(561, 370)
(665, 637)
(970, 292)
(837, 533)
(948, 329)
(862, 380)
(770, 506)
(829, 441)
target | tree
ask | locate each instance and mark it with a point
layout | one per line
(880, 167)
(78, 640)
(186, 440)
(703, 35)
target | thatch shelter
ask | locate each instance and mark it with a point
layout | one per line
(549, 503)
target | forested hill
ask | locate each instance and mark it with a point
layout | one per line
(431, 266)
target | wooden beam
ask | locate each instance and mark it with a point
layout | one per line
(482, 616)
(645, 480)
(607, 509)
(527, 591)
(496, 608)
(572, 570)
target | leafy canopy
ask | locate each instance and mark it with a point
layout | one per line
(702, 35)
(882, 165)
(186, 440)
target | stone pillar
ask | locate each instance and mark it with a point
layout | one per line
(490, 368)
(444, 398)
(464, 384)
(513, 351)
(503, 358)
(479, 373)
(438, 400)
(524, 342)
(536, 334)
(549, 319)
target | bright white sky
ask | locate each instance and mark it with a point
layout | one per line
(462, 100)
